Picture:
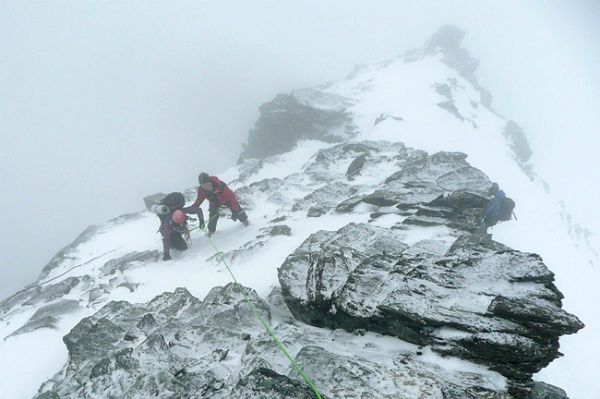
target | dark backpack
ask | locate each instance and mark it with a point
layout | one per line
(173, 200)
(506, 209)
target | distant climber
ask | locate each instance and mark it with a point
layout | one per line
(173, 221)
(499, 209)
(218, 194)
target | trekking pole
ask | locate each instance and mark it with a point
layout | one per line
(515, 216)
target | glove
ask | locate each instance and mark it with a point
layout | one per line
(234, 216)
(166, 257)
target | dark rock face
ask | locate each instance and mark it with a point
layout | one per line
(356, 165)
(288, 118)
(480, 301)
(541, 390)
(265, 383)
(520, 146)
(447, 40)
(459, 210)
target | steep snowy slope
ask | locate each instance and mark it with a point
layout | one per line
(364, 212)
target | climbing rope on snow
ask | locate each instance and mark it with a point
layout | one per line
(75, 267)
(267, 327)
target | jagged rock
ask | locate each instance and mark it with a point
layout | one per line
(288, 118)
(356, 165)
(166, 347)
(47, 316)
(340, 373)
(125, 262)
(448, 39)
(424, 178)
(407, 194)
(424, 221)
(277, 230)
(459, 210)
(347, 378)
(316, 211)
(348, 204)
(51, 292)
(267, 384)
(325, 197)
(520, 147)
(541, 390)
(47, 395)
(485, 295)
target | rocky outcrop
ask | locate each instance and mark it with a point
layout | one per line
(175, 345)
(479, 300)
(303, 114)
(47, 316)
(179, 346)
(447, 40)
(519, 146)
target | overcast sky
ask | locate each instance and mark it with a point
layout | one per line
(102, 103)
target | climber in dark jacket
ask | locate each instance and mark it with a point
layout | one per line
(218, 194)
(491, 214)
(173, 222)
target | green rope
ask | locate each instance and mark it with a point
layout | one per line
(267, 327)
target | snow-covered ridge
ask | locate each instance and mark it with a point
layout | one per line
(168, 343)
(109, 317)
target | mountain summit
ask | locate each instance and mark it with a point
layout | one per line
(365, 254)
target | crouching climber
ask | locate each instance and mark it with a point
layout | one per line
(499, 209)
(218, 194)
(173, 222)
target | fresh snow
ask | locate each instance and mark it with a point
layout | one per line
(398, 88)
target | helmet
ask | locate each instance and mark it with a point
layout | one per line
(179, 217)
(203, 178)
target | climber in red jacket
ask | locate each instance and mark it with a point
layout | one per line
(218, 194)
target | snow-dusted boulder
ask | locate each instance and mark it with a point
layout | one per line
(480, 300)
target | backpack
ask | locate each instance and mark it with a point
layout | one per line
(174, 200)
(506, 209)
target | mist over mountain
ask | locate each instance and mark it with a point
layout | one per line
(365, 253)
